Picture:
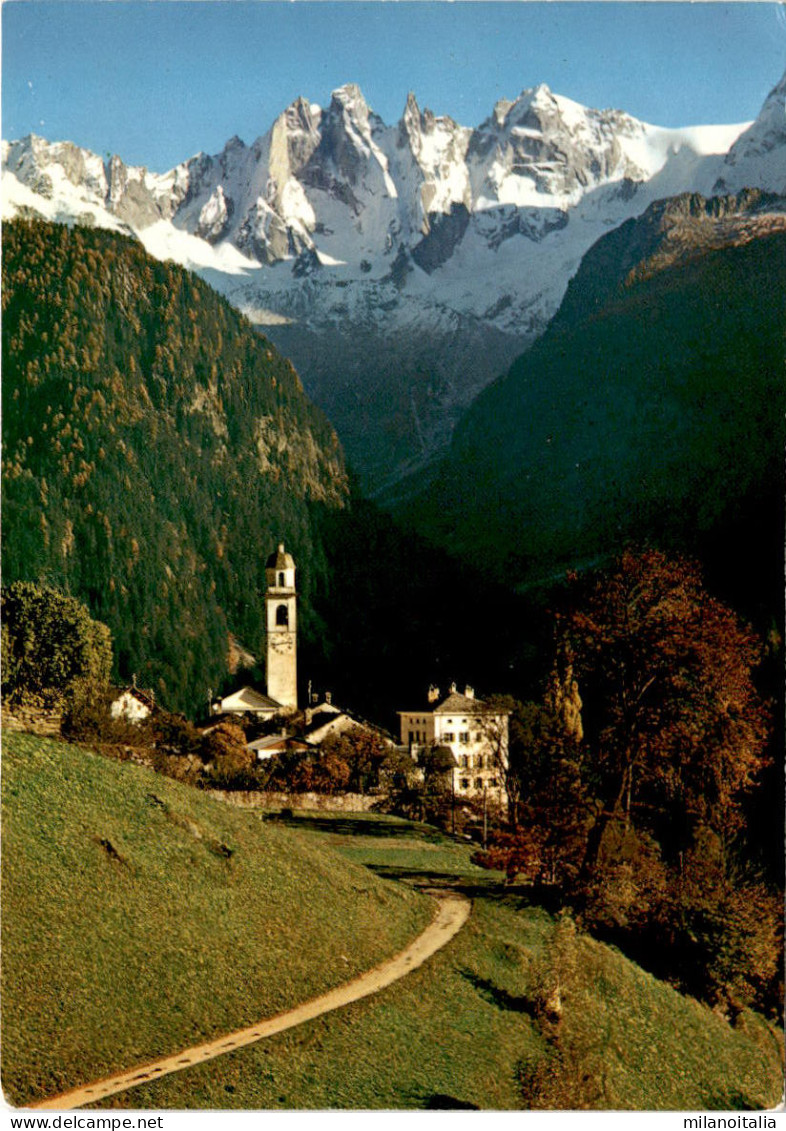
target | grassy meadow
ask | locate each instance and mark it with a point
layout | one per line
(141, 916)
(466, 1030)
(111, 960)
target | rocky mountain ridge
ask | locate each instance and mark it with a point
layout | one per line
(427, 253)
(670, 234)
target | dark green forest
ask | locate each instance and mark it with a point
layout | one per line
(155, 450)
(652, 411)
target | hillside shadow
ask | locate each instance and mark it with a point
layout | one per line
(499, 997)
(488, 886)
(355, 826)
(439, 1101)
(473, 887)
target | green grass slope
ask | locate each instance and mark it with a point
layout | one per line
(140, 917)
(465, 1030)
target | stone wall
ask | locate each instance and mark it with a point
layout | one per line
(340, 803)
(32, 720)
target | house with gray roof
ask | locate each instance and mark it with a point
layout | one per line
(475, 733)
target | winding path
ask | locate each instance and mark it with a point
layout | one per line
(452, 913)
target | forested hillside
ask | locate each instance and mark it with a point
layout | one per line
(655, 413)
(155, 450)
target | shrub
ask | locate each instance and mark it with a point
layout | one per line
(514, 853)
(88, 718)
(362, 751)
(309, 772)
(629, 887)
(726, 933)
(234, 766)
(53, 652)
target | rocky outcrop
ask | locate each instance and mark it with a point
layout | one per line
(757, 157)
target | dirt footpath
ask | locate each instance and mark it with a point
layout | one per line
(452, 913)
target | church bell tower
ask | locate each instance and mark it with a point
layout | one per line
(280, 603)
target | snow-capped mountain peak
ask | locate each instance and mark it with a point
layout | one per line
(758, 152)
(421, 232)
(340, 183)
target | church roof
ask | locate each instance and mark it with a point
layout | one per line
(280, 560)
(269, 744)
(142, 694)
(249, 699)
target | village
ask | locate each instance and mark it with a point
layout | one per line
(319, 754)
(481, 805)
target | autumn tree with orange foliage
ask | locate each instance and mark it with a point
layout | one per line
(651, 736)
(674, 729)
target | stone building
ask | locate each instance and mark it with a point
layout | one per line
(281, 641)
(323, 719)
(281, 608)
(134, 704)
(476, 736)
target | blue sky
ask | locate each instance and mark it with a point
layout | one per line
(157, 81)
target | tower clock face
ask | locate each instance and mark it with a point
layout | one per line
(282, 644)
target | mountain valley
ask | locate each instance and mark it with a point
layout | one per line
(652, 408)
(402, 268)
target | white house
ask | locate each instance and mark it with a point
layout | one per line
(268, 745)
(476, 736)
(325, 719)
(133, 704)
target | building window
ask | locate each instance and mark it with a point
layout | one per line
(464, 783)
(493, 783)
(478, 783)
(281, 581)
(464, 737)
(464, 762)
(449, 736)
(282, 615)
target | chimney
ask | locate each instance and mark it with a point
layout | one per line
(433, 693)
(328, 697)
(469, 692)
(453, 689)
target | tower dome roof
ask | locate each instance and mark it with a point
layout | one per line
(280, 560)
